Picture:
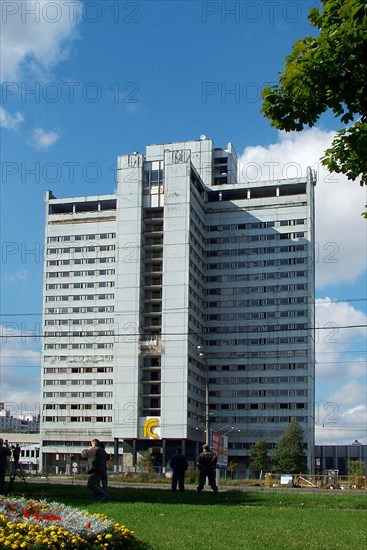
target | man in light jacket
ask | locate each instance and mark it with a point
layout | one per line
(95, 468)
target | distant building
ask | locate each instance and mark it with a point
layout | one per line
(336, 457)
(182, 302)
(25, 423)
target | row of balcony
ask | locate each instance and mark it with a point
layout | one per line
(151, 316)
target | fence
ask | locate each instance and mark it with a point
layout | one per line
(331, 481)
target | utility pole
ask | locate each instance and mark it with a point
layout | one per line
(207, 409)
(207, 425)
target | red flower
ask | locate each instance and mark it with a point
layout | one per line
(51, 517)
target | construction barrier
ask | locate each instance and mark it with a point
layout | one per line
(329, 481)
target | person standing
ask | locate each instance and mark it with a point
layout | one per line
(207, 463)
(179, 466)
(16, 453)
(96, 467)
(104, 477)
(4, 453)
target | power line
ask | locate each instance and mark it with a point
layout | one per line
(316, 302)
(55, 333)
(345, 429)
(338, 362)
(345, 300)
(34, 366)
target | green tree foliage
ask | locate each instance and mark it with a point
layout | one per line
(145, 463)
(356, 468)
(232, 469)
(328, 71)
(289, 456)
(259, 455)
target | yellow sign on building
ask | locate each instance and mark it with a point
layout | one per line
(151, 428)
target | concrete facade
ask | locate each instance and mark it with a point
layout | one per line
(188, 304)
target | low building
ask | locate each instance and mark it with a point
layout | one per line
(336, 457)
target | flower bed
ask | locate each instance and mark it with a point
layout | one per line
(37, 525)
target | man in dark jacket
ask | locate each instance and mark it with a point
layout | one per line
(96, 467)
(207, 463)
(104, 477)
(4, 453)
(179, 466)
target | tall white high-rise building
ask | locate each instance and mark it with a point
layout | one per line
(184, 303)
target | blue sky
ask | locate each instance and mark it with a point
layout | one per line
(85, 81)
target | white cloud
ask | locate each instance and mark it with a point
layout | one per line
(17, 345)
(341, 385)
(14, 355)
(42, 140)
(8, 121)
(333, 344)
(341, 232)
(348, 426)
(36, 33)
(21, 275)
(349, 394)
(20, 370)
(358, 412)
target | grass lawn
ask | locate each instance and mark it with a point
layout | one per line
(234, 520)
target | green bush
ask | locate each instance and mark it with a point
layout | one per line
(192, 475)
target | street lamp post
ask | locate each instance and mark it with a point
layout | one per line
(228, 429)
(207, 426)
(207, 409)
